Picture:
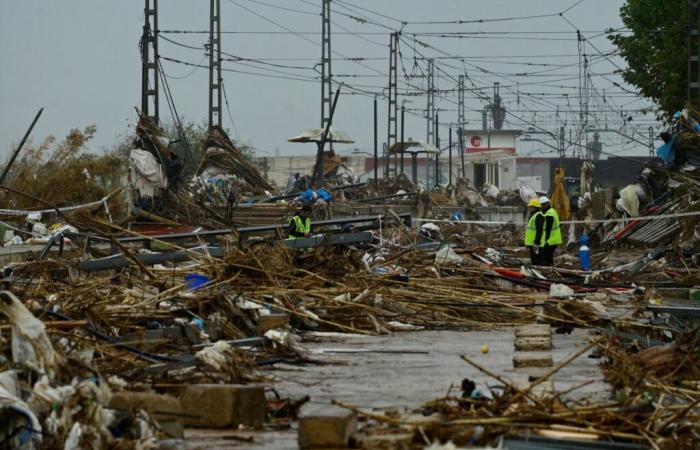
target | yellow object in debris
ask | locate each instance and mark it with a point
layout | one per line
(485, 348)
(560, 199)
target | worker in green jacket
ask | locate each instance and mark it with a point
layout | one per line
(300, 223)
(549, 234)
(535, 218)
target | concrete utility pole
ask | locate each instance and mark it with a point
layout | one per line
(693, 50)
(376, 136)
(430, 108)
(562, 141)
(215, 79)
(437, 155)
(460, 101)
(449, 160)
(393, 96)
(403, 127)
(149, 62)
(326, 74)
(460, 135)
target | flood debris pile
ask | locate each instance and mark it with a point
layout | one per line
(85, 352)
(224, 163)
(668, 186)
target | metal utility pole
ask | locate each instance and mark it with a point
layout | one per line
(460, 101)
(562, 149)
(215, 79)
(651, 141)
(326, 74)
(376, 160)
(437, 155)
(449, 159)
(693, 49)
(149, 62)
(461, 150)
(498, 111)
(430, 108)
(318, 167)
(403, 123)
(393, 106)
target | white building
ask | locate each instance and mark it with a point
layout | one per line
(490, 157)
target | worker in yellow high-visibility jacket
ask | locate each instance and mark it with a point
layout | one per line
(535, 218)
(549, 234)
(300, 223)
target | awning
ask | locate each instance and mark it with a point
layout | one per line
(413, 147)
(315, 135)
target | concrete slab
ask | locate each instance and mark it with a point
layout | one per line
(530, 344)
(533, 331)
(532, 359)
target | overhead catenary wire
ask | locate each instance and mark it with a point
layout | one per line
(540, 108)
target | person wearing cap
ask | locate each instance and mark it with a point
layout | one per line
(548, 235)
(533, 209)
(300, 223)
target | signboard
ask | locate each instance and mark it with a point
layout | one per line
(482, 142)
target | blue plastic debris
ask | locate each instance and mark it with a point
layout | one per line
(325, 195)
(199, 323)
(195, 281)
(307, 197)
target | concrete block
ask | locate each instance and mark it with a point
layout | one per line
(148, 339)
(532, 360)
(165, 409)
(330, 427)
(271, 321)
(674, 293)
(530, 344)
(223, 405)
(533, 331)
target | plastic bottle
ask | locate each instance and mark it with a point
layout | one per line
(584, 253)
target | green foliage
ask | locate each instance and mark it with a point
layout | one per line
(655, 50)
(62, 173)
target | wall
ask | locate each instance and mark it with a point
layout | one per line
(607, 173)
(279, 168)
(535, 167)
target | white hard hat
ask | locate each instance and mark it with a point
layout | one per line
(544, 199)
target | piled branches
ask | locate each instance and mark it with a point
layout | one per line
(223, 154)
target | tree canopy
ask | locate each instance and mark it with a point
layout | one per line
(655, 49)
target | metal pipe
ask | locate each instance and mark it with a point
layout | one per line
(414, 168)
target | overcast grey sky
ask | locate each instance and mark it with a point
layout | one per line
(80, 60)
